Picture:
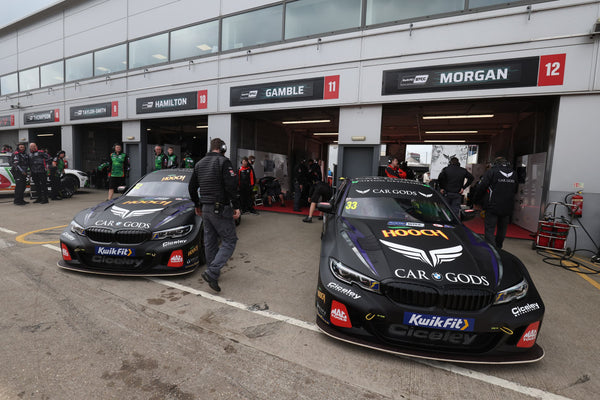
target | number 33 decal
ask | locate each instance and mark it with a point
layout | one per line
(351, 205)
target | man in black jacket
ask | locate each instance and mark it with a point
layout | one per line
(496, 191)
(452, 183)
(213, 189)
(20, 164)
(39, 162)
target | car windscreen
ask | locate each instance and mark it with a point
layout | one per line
(398, 204)
(175, 185)
(4, 161)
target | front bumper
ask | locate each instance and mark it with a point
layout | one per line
(150, 258)
(494, 334)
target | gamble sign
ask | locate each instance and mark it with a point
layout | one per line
(322, 88)
(518, 72)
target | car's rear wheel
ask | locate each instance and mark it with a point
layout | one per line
(69, 186)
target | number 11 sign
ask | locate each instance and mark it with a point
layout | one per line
(552, 70)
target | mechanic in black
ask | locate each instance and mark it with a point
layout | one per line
(496, 192)
(20, 164)
(301, 184)
(453, 180)
(57, 171)
(247, 180)
(39, 162)
(213, 189)
(320, 191)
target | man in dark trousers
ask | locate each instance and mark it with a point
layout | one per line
(213, 189)
(320, 191)
(39, 162)
(301, 183)
(453, 180)
(20, 163)
(496, 191)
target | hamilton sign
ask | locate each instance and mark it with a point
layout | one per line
(172, 102)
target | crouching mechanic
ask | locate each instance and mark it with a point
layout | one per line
(213, 189)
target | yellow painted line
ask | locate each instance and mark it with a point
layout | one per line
(584, 276)
(21, 238)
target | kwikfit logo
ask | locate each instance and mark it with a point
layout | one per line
(437, 322)
(114, 251)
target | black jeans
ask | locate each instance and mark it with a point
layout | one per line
(40, 180)
(491, 222)
(20, 183)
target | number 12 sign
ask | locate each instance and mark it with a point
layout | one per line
(552, 70)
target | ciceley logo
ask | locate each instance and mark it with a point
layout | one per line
(438, 256)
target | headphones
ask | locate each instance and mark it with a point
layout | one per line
(223, 148)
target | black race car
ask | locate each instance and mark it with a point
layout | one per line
(400, 273)
(150, 230)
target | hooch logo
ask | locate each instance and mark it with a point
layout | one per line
(435, 257)
(413, 232)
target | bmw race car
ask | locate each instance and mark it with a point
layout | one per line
(150, 230)
(400, 273)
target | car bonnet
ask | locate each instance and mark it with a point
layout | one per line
(431, 253)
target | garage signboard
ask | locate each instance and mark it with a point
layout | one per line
(109, 109)
(7, 120)
(172, 102)
(518, 72)
(40, 117)
(321, 88)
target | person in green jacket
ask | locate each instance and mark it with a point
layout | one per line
(188, 161)
(172, 161)
(160, 158)
(118, 169)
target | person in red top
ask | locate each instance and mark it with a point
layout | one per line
(246, 181)
(393, 170)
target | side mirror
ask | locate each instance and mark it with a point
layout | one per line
(120, 189)
(468, 214)
(325, 207)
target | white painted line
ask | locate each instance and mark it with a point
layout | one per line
(218, 299)
(8, 231)
(492, 380)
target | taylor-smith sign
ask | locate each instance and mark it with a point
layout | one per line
(321, 88)
(517, 72)
(172, 102)
(40, 117)
(100, 110)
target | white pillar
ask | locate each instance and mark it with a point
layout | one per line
(219, 126)
(360, 125)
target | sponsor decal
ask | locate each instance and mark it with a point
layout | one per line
(426, 194)
(126, 224)
(68, 236)
(451, 277)
(409, 224)
(339, 315)
(322, 313)
(192, 251)
(363, 191)
(438, 256)
(343, 290)
(117, 261)
(395, 191)
(176, 259)
(506, 174)
(529, 336)
(518, 311)
(125, 213)
(65, 252)
(438, 322)
(155, 202)
(458, 338)
(115, 251)
(413, 232)
(371, 316)
(174, 243)
(321, 295)
(180, 178)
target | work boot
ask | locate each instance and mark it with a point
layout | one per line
(307, 219)
(44, 201)
(38, 200)
(213, 283)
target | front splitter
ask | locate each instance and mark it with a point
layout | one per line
(536, 353)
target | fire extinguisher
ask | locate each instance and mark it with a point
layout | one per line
(577, 204)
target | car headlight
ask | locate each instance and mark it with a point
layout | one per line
(350, 276)
(78, 229)
(512, 293)
(172, 233)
